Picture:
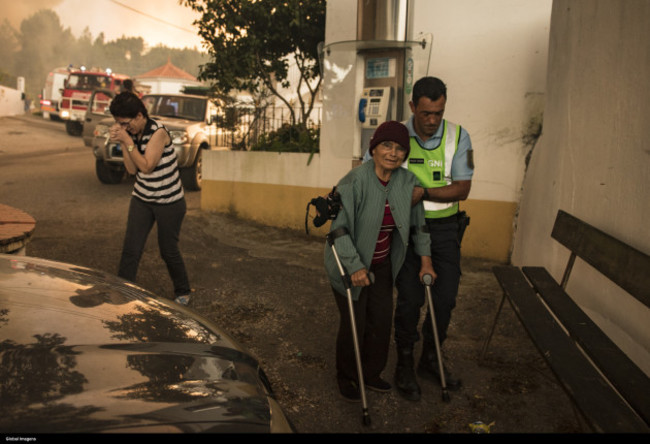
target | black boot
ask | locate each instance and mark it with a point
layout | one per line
(405, 381)
(429, 369)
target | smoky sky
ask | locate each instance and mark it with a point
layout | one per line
(156, 21)
(16, 11)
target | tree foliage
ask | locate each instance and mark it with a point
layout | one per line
(253, 46)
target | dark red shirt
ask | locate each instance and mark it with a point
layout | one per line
(382, 249)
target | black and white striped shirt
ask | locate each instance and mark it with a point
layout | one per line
(163, 184)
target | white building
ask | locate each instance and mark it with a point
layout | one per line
(12, 101)
(166, 79)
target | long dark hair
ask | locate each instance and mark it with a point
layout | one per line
(126, 104)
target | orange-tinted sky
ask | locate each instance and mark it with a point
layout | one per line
(156, 21)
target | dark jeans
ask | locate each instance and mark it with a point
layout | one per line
(445, 255)
(169, 219)
(373, 314)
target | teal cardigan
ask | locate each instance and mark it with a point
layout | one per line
(363, 200)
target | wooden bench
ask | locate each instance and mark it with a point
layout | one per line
(611, 392)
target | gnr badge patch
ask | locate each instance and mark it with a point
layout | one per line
(470, 159)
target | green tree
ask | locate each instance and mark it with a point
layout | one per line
(44, 44)
(8, 49)
(253, 44)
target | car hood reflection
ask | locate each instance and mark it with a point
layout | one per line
(86, 352)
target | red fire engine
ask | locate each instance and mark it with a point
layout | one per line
(78, 87)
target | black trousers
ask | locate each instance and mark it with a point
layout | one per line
(373, 314)
(169, 219)
(445, 255)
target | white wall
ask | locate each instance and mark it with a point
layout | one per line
(492, 55)
(166, 86)
(11, 102)
(593, 159)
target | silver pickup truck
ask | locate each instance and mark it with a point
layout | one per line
(190, 120)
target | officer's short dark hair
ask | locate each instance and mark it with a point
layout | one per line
(430, 87)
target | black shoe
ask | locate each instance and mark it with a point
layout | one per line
(429, 369)
(405, 380)
(378, 385)
(349, 390)
(406, 383)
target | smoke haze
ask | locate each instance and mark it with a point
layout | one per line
(158, 22)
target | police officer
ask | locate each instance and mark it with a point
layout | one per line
(441, 157)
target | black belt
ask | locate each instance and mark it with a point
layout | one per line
(443, 220)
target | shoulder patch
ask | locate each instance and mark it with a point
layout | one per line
(470, 159)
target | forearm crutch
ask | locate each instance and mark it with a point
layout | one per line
(347, 282)
(427, 280)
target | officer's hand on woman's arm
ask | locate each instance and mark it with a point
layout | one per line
(418, 194)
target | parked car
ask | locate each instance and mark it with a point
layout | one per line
(98, 110)
(190, 119)
(83, 351)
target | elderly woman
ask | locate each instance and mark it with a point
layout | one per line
(379, 219)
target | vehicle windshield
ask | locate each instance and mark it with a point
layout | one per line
(88, 82)
(190, 108)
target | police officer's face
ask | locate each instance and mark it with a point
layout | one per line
(427, 116)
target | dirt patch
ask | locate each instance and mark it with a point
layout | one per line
(268, 287)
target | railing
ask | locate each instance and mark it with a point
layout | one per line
(253, 123)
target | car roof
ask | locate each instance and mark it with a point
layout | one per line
(193, 96)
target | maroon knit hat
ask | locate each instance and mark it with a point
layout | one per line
(392, 131)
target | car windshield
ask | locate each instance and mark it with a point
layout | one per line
(88, 82)
(190, 108)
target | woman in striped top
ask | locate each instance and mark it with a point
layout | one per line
(157, 195)
(380, 222)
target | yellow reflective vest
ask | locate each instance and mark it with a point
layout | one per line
(433, 168)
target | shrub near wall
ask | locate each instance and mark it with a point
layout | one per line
(290, 139)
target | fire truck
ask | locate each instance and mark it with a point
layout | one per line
(78, 87)
(51, 94)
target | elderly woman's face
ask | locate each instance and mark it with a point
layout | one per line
(389, 155)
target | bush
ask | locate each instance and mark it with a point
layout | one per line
(289, 139)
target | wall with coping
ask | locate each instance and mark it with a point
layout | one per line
(11, 102)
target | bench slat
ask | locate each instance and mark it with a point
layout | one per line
(594, 397)
(621, 371)
(623, 264)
